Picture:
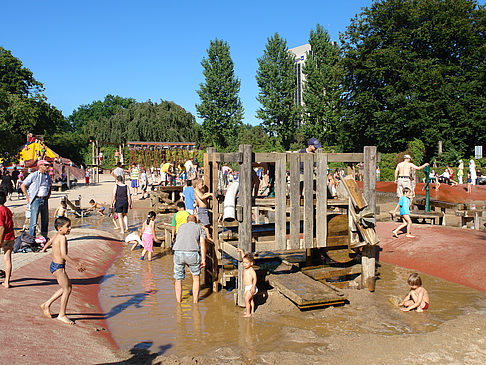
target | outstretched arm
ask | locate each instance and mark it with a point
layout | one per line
(420, 167)
(66, 257)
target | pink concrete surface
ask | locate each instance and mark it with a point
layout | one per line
(27, 337)
(454, 254)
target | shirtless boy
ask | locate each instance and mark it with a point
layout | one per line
(58, 264)
(202, 200)
(96, 206)
(418, 297)
(249, 280)
(402, 174)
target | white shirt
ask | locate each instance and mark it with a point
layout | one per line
(189, 166)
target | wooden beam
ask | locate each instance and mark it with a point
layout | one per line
(295, 218)
(266, 156)
(231, 250)
(229, 157)
(321, 203)
(308, 194)
(281, 202)
(348, 157)
(215, 233)
(321, 273)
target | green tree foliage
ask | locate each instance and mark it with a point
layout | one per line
(23, 107)
(256, 136)
(322, 87)
(166, 121)
(415, 69)
(220, 106)
(276, 80)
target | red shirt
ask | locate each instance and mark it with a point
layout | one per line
(7, 222)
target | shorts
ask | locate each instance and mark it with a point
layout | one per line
(134, 184)
(55, 266)
(189, 258)
(102, 209)
(248, 288)
(403, 182)
(8, 244)
(121, 207)
(203, 216)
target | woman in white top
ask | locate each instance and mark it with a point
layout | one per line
(472, 171)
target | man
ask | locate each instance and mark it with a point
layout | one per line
(312, 145)
(402, 174)
(118, 171)
(37, 189)
(189, 249)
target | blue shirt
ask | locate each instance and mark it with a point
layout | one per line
(34, 181)
(189, 197)
(404, 204)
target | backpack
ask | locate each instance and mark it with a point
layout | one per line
(25, 243)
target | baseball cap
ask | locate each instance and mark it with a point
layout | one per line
(43, 162)
(407, 156)
(315, 142)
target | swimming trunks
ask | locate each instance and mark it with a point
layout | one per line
(102, 209)
(248, 288)
(55, 266)
(425, 306)
(203, 216)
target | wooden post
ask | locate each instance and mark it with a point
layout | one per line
(368, 259)
(321, 204)
(68, 174)
(308, 193)
(295, 218)
(244, 228)
(215, 234)
(281, 202)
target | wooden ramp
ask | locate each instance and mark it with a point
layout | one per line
(304, 291)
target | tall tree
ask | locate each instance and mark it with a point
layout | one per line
(322, 87)
(415, 69)
(277, 82)
(220, 105)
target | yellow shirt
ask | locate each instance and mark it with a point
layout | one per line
(165, 167)
(179, 218)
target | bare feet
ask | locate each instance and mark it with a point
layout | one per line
(247, 315)
(45, 310)
(65, 319)
(395, 234)
(6, 285)
(410, 236)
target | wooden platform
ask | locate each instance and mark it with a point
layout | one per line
(435, 217)
(304, 291)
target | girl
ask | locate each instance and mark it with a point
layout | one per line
(149, 236)
(121, 201)
(418, 297)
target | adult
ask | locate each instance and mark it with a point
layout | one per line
(7, 185)
(402, 174)
(189, 249)
(189, 197)
(118, 171)
(472, 171)
(121, 201)
(134, 175)
(167, 174)
(460, 171)
(312, 145)
(15, 174)
(188, 166)
(226, 170)
(37, 190)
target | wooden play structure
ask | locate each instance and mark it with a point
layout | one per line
(302, 217)
(96, 160)
(148, 154)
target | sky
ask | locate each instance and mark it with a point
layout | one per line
(84, 50)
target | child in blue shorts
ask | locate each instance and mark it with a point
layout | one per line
(404, 206)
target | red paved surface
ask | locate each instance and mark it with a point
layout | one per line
(454, 254)
(27, 337)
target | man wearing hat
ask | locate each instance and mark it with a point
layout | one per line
(37, 189)
(402, 174)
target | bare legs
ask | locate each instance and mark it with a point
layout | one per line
(63, 293)
(123, 220)
(7, 257)
(407, 222)
(249, 304)
(144, 251)
(195, 289)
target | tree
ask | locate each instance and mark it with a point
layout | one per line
(220, 105)
(276, 80)
(415, 69)
(322, 87)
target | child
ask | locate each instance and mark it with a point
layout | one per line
(96, 206)
(179, 218)
(418, 297)
(61, 210)
(249, 280)
(134, 238)
(7, 237)
(114, 217)
(202, 199)
(404, 205)
(57, 268)
(149, 236)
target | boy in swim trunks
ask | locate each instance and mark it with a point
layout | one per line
(249, 280)
(57, 268)
(202, 200)
(404, 206)
(7, 237)
(418, 297)
(96, 206)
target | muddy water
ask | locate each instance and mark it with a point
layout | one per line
(138, 297)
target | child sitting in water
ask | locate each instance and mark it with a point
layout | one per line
(96, 206)
(404, 205)
(61, 210)
(134, 238)
(418, 297)
(249, 280)
(58, 264)
(149, 236)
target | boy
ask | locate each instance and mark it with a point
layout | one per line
(189, 197)
(249, 280)
(202, 200)
(7, 238)
(58, 264)
(61, 210)
(179, 218)
(96, 206)
(417, 298)
(404, 205)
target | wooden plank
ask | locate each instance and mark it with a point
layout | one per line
(369, 178)
(331, 272)
(216, 254)
(266, 157)
(353, 190)
(321, 200)
(229, 157)
(231, 250)
(308, 194)
(348, 157)
(207, 173)
(304, 291)
(294, 200)
(244, 200)
(280, 202)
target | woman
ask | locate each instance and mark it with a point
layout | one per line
(460, 171)
(121, 201)
(472, 171)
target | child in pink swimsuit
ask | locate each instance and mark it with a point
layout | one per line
(149, 236)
